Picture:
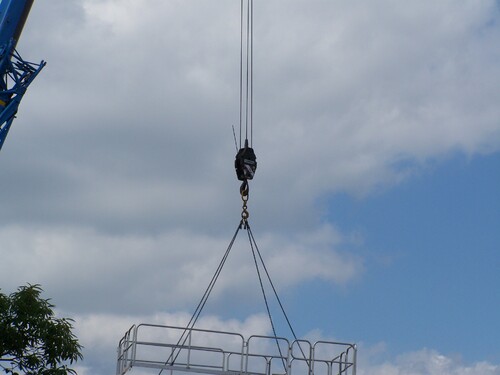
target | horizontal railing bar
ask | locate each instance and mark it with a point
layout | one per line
(217, 358)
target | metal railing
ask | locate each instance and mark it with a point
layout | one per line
(178, 349)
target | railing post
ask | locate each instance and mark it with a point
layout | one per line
(311, 360)
(289, 359)
(134, 345)
(189, 349)
(354, 359)
(118, 362)
(172, 356)
(243, 351)
(247, 348)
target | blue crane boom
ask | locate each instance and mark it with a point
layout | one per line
(16, 74)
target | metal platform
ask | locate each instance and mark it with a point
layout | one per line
(161, 349)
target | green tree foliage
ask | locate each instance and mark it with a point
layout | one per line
(32, 340)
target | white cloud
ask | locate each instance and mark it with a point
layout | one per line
(131, 120)
(305, 255)
(86, 270)
(100, 333)
(118, 191)
(428, 362)
(373, 88)
(375, 360)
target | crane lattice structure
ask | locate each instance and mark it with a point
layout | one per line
(16, 74)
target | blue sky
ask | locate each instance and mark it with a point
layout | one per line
(431, 245)
(375, 203)
(430, 248)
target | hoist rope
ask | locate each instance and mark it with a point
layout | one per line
(251, 71)
(249, 68)
(241, 69)
(246, 85)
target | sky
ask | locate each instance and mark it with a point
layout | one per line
(375, 203)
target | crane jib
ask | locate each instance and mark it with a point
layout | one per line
(16, 74)
(13, 15)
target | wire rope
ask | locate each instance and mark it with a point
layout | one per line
(252, 239)
(257, 257)
(246, 70)
(194, 318)
(251, 72)
(264, 295)
(247, 88)
(241, 68)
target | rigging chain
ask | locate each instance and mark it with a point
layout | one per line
(244, 192)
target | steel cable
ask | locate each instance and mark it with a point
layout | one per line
(264, 295)
(252, 239)
(194, 318)
(246, 69)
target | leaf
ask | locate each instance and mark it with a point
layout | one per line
(32, 339)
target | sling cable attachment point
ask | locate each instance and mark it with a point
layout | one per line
(214, 352)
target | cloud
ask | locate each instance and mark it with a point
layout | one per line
(371, 88)
(100, 333)
(117, 186)
(129, 126)
(375, 360)
(429, 362)
(84, 270)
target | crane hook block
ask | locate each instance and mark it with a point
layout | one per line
(245, 163)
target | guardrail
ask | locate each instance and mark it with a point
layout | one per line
(179, 349)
